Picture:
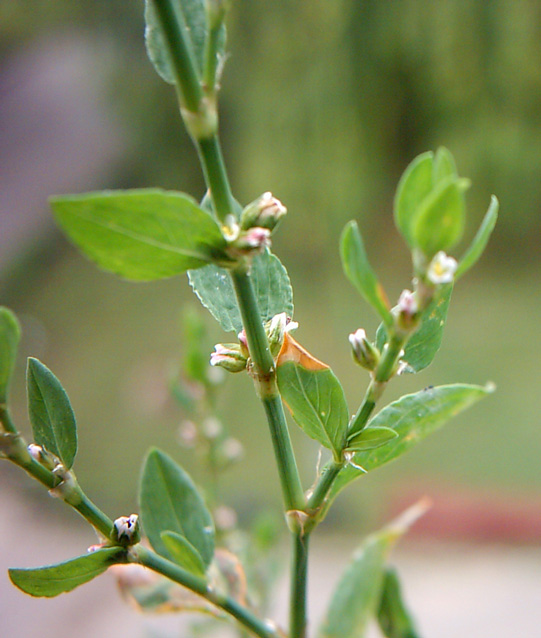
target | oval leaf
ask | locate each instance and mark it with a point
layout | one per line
(371, 438)
(10, 334)
(423, 346)
(359, 272)
(183, 553)
(169, 501)
(414, 185)
(480, 240)
(141, 234)
(439, 222)
(444, 165)
(413, 417)
(191, 18)
(316, 401)
(53, 421)
(56, 579)
(272, 288)
(393, 616)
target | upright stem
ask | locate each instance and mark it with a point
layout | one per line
(299, 577)
(213, 165)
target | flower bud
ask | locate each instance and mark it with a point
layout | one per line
(364, 352)
(231, 450)
(39, 454)
(126, 530)
(225, 518)
(407, 311)
(187, 434)
(212, 427)
(228, 356)
(441, 269)
(251, 242)
(265, 212)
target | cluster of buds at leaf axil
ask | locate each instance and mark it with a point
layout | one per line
(126, 530)
(364, 352)
(230, 356)
(265, 212)
(253, 235)
(276, 328)
(407, 312)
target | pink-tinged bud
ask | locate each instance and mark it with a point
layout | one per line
(243, 343)
(364, 352)
(231, 450)
(126, 530)
(187, 434)
(265, 212)
(407, 311)
(225, 518)
(250, 242)
(442, 269)
(43, 457)
(229, 357)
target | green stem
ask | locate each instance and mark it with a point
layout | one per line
(263, 362)
(211, 57)
(94, 515)
(391, 354)
(213, 165)
(299, 573)
(156, 563)
(323, 486)
(184, 67)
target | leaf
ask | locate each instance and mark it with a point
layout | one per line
(56, 579)
(439, 222)
(10, 334)
(190, 16)
(413, 417)
(359, 272)
(414, 185)
(314, 397)
(272, 287)
(480, 240)
(393, 616)
(423, 346)
(370, 438)
(53, 422)
(357, 595)
(444, 165)
(142, 234)
(183, 553)
(169, 501)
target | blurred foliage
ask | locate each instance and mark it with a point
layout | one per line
(323, 103)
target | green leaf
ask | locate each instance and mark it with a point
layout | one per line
(10, 334)
(413, 418)
(183, 553)
(272, 287)
(371, 438)
(169, 501)
(393, 616)
(191, 17)
(414, 185)
(141, 234)
(53, 421)
(359, 272)
(316, 401)
(444, 165)
(480, 240)
(421, 349)
(357, 595)
(56, 579)
(439, 222)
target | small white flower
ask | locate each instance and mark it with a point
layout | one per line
(442, 269)
(407, 303)
(127, 527)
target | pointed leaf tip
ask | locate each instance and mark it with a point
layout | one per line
(53, 421)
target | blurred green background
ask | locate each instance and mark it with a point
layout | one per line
(323, 103)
